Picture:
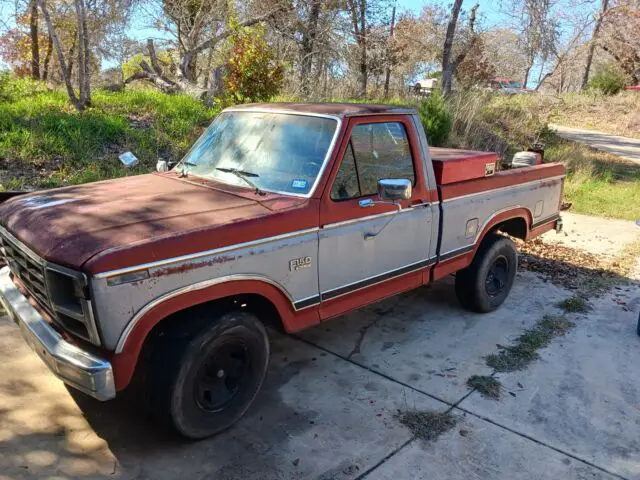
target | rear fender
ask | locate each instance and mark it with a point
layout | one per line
(458, 262)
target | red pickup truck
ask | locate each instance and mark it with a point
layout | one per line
(280, 215)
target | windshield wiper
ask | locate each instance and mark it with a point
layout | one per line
(183, 171)
(244, 176)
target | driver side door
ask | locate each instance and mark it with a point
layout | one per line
(367, 253)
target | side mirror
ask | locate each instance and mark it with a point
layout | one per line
(394, 189)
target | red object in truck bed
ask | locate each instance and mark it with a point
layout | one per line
(451, 165)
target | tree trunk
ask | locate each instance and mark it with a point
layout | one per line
(207, 73)
(387, 73)
(155, 75)
(84, 54)
(61, 59)
(362, 82)
(363, 50)
(47, 59)
(72, 49)
(35, 49)
(307, 47)
(448, 66)
(592, 44)
(525, 79)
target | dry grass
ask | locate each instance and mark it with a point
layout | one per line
(618, 114)
(488, 386)
(489, 122)
(525, 348)
(427, 425)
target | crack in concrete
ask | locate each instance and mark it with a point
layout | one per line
(451, 406)
(363, 331)
(541, 443)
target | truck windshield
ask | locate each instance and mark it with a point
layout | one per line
(277, 152)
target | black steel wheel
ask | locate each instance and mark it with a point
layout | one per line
(497, 276)
(485, 284)
(203, 383)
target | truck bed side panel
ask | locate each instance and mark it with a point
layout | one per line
(468, 209)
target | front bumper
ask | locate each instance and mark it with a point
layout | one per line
(75, 367)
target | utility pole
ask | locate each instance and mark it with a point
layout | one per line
(387, 74)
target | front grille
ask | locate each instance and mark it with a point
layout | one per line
(28, 268)
(66, 311)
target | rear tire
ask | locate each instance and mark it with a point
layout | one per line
(485, 284)
(202, 382)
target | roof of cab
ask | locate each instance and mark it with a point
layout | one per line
(333, 109)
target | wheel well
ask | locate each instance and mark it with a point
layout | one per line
(188, 321)
(516, 227)
(184, 320)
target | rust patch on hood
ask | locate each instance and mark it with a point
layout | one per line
(72, 225)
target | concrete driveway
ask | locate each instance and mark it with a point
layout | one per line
(624, 147)
(329, 406)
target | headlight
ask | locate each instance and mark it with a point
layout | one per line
(69, 296)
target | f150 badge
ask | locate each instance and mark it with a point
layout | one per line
(299, 263)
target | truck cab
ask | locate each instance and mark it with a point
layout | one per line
(280, 215)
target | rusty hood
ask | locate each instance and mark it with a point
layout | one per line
(71, 225)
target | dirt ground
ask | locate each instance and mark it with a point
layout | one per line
(331, 406)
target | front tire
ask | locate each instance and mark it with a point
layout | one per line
(204, 382)
(485, 284)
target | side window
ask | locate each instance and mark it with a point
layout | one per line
(381, 150)
(346, 184)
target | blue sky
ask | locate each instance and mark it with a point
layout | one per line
(488, 9)
(489, 12)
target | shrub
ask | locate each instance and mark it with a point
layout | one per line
(609, 80)
(253, 74)
(436, 119)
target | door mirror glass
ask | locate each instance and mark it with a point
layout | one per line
(394, 189)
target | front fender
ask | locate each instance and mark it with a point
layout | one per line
(130, 344)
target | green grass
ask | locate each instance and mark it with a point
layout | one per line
(524, 350)
(597, 183)
(44, 142)
(575, 304)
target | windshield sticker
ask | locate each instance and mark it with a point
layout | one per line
(299, 184)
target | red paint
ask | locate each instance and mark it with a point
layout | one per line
(332, 211)
(340, 305)
(539, 230)
(451, 265)
(454, 264)
(252, 223)
(505, 178)
(334, 109)
(124, 363)
(451, 165)
(135, 220)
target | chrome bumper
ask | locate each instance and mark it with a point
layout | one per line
(75, 367)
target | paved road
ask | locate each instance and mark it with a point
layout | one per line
(327, 410)
(624, 147)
